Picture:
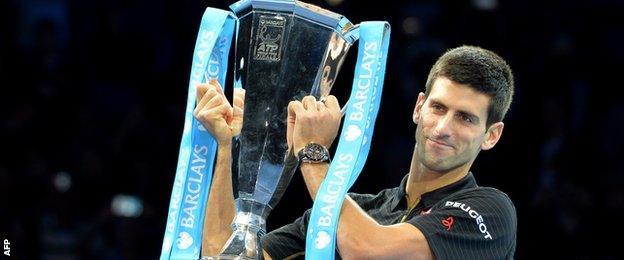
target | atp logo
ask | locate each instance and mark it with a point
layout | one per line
(353, 132)
(269, 36)
(184, 240)
(322, 240)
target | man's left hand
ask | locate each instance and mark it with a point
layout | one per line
(312, 121)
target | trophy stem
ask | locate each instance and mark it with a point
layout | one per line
(248, 227)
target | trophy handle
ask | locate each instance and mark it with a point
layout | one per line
(351, 36)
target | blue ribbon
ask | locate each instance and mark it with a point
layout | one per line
(355, 139)
(185, 220)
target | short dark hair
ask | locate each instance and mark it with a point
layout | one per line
(482, 70)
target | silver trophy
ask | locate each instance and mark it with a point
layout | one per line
(285, 50)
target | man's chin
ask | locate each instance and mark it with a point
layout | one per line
(437, 167)
(441, 164)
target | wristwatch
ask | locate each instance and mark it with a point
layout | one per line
(313, 153)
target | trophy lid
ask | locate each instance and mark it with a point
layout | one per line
(306, 11)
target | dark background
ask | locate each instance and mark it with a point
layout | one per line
(93, 96)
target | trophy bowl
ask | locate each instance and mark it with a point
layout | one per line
(285, 50)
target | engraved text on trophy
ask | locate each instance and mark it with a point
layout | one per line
(269, 38)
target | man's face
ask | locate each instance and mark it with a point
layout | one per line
(452, 126)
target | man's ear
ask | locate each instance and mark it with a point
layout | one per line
(492, 135)
(418, 107)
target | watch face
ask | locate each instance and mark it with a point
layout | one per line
(314, 152)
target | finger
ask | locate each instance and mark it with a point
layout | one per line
(239, 92)
(210, 94)
(215, 84)
(332, 103)
(201, 90)
(238, 102)
(224, 109)
(239, 97)
(215, 101)
(294, 108)
(238, 112)
(309, 103)
(320, 105)
(211, 114)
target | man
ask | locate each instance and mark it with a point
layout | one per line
(437, 211)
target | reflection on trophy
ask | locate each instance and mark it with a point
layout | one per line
(285, 50)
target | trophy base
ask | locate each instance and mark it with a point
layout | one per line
(245, 242)
(227, 257)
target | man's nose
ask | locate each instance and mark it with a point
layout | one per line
(443, 126)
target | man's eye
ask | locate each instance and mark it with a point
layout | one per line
(466, 119)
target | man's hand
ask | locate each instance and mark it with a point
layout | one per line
(312, 121)
(216, 114)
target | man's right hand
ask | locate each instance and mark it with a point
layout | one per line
(215, 113)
